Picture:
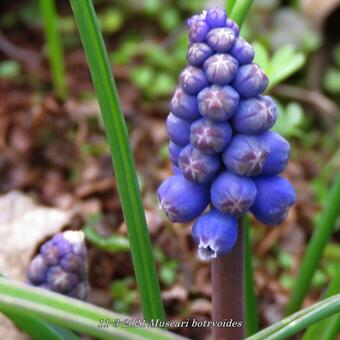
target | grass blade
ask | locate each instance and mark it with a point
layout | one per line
(300, 320)
(73, 314)
(229, 6)
(326, 329)
(315, 248)
(240, 10)
(251, 316)
(54, 47)
(117, 136)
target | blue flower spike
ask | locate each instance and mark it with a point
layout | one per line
(221, 147)
(61, 265)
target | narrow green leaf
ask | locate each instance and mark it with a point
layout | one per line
(229, 6)
(73, 314)
(36, 328)
(300, 320)
(315, 248)
(240, 10)
(117, 136)
(251, 316)
(112, 243)
(328, 328)
(54, 47)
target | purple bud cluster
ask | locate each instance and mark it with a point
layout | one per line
(61, 265)
(220, 144)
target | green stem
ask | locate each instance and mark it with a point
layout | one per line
(251, 316)
(230, 5)
(240, 10)
(300, 320)
(315, 248)
(54, 47)
(117, 136)
(326, 329)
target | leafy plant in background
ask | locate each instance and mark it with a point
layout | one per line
(28, 305)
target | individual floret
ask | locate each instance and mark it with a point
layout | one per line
(198, 28)
(215, 234)
(245, 155)
(174, 151)
(279, 152)
(254, 115)
(193, 80)
(216, 17)
(250, 80)
(242, 51)
(233, 25)
(184, 105)
(275, 195)
(197, 166)
(209, 136)
(198, 53)
(182, 200)
(232, 194)
(220, 69)
(218, 103)
(178, 130)
(221, 39)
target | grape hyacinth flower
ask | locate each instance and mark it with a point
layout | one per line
(232, 194)
(254, 115)
(218, 102)
(222, 151)
(197, 166)
(275, 195)
(182, 200)
(61, 265)
(245, 155)
(178, 130)
(209, 136)
(215, 233)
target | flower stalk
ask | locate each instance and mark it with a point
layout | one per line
(227, 292)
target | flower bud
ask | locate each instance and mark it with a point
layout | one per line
(181, 199)
(193, 80)
(198, 28)
(178, 130)
(275, 195)
(221, 39)
(242, 51)
(197, 166)
(174, 151)
(61, 265)
(250, 80)
(232, 25)
(198, 53)
(216, 17)
(184, 105)
(217, 103)
(215, 234)
(220, 69)
(245, 155)
(209, 136)
(254, 115)
(232, 194)
(279, 152)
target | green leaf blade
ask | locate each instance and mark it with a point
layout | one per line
(71, 313)
(117, 136)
